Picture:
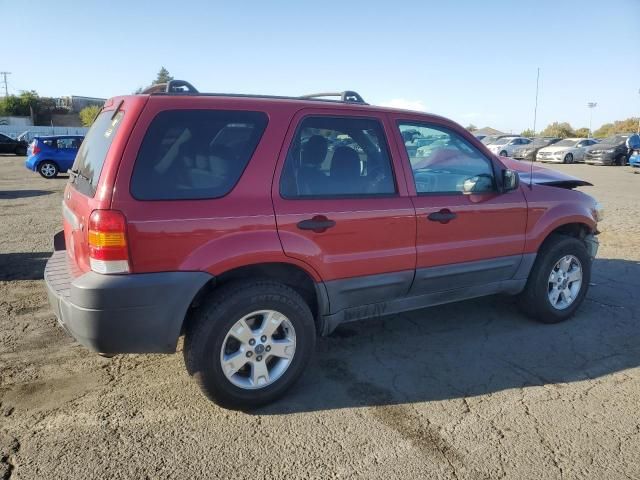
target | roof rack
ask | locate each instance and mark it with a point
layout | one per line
(182, 87)
(348, 96)
(172, 86)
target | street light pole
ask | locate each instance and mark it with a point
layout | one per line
(591, 106)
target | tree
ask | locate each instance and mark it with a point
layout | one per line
(471, 127)
(582, 132)
(163, 76)
(555, 129)
(619, 126)
(527, 133)
(88, 114)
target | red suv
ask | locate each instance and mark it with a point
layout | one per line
(252, 224)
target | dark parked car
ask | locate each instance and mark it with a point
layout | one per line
(11, 145)
(230, 220)
(529, 152)
(610, 151)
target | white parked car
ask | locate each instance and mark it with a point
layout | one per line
(568, 150)
(505, 146)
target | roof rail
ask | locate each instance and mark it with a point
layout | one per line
(182, 87)
(172, 86)
(348, 96)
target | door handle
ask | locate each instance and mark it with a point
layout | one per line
(317, 224)
(443, 216)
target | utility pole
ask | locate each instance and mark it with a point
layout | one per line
(6, 88)
(591, 106)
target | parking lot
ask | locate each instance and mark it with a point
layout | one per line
(470, 390)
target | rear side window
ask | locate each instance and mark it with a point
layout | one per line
(93, 151)
(195, 154)
(333, 157)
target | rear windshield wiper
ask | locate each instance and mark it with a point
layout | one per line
(76, 173)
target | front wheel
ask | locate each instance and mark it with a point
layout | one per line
(558, 281)
(504, 153)
(568, 158)
(48, 169)
(249, 343)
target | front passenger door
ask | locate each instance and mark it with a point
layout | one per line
(468, 233)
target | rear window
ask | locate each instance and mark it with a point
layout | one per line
(195, 154)
(93, 151)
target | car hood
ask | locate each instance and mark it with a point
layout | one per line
(542, 175)
(555, 148)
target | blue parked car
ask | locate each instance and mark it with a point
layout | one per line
(633, 143)
(51, 155)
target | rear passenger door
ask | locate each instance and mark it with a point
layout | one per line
(342, 206)
(65, 153)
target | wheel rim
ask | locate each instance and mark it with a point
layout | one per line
(569, 158)
(503, 153)
(258, 349)
(565, 282)
(48, 170)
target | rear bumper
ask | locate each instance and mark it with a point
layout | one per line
(136, 313)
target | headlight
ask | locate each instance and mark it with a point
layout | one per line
(559, 153)
(598, 211)
(611, 150)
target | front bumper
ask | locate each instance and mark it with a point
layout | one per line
(136, 313)
(593, 244)
(599, 159)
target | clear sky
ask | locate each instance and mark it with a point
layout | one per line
(473, 61)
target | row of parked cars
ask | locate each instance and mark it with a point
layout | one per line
(613, 150)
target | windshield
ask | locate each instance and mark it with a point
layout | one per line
(565, 143)
(489, 139)
(503, 141)
(543, 141)
(614, 139)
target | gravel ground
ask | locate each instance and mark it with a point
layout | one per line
(471, 390)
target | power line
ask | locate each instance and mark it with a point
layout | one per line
(6, 87)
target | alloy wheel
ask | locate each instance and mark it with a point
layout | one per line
(565, 282)
(258, 349)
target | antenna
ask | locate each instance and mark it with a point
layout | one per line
(535, 118)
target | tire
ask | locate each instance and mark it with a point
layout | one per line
(621, 160)
(209, 330)
(568, 158)
(21, 151)
(504, 153)
(48, 169)
(535, 299)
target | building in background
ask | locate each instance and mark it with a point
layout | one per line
(75, 103)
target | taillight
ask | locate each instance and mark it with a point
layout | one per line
(35, 148)
(108, 252)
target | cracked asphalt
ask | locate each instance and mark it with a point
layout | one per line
(465, 391)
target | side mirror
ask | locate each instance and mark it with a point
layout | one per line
(510, 180)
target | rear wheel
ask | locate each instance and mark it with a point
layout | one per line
(568, 158)
(558, 281)
(621, 160)
(249, 343)
(48, 169)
